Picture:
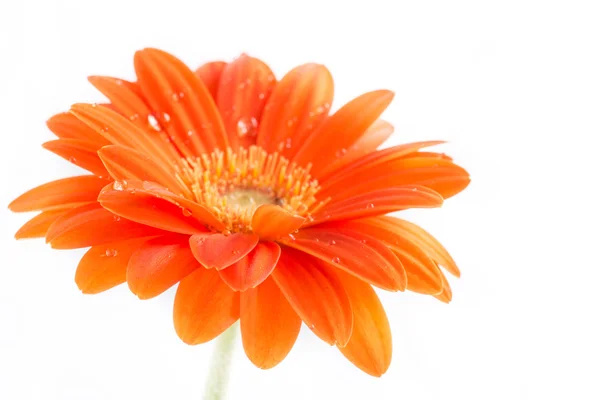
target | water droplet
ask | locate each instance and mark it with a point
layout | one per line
(335, 260)
(292, 236)
(111, 252)
(120, 185)
(332, 242)
(176, 96)
(116, 218)
(242, 128)
(414, 189)
(310, 218)
(288, 143)
(186, 212)
(311, 326)
(190, 133)
(261, 96)
(153, 123)
(363, 241)
(370, 205)
(134, 117)
(72, 159)
(340, 153)
(166, 117)
(119, 82)
(94, 105)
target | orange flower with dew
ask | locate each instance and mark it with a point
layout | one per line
(247, 192)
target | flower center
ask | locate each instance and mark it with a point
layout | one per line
(234, 184)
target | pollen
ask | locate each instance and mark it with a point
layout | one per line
(234, 184)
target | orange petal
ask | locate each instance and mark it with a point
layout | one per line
(379, 246)
(159, 264)
(124, 164)
(351, 255)
(437, 174)
(269, 325)
(79, 152)
(378, 202)
(244, 88)
(67, 126)
(370, 346)
(422, 274)
(124, 96)
(424, 240)
(215, 250)
(316, 294)
(104, 267)
(127, 98)
(446, 295)
(210, 75)
(173, 90)
(204, 307)
(119, 130)
(372, 160)
(252, 270)
(152, 205)
(342, 130)
(61, 193)
(298, 104)
(373, 137)
(271, 222)
(92, 225)
(37, 226)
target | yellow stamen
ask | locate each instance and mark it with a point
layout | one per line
(234, 184)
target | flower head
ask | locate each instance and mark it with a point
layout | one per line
(247, 192)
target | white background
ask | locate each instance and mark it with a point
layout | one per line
(513, 85)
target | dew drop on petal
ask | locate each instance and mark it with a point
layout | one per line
(370, 205)
(190, 133)
(242, 128)
(117, 185)
(111, 252)
(340, 153)
(292, 236)
(116, 218)
(186, 212)
(332, 242)
(166, 117)
(335, 260)
(153, 123)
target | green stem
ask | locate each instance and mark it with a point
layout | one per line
(218, 375)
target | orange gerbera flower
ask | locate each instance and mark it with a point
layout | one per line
(250, 195)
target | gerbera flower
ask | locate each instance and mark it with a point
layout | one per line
(246, 191)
